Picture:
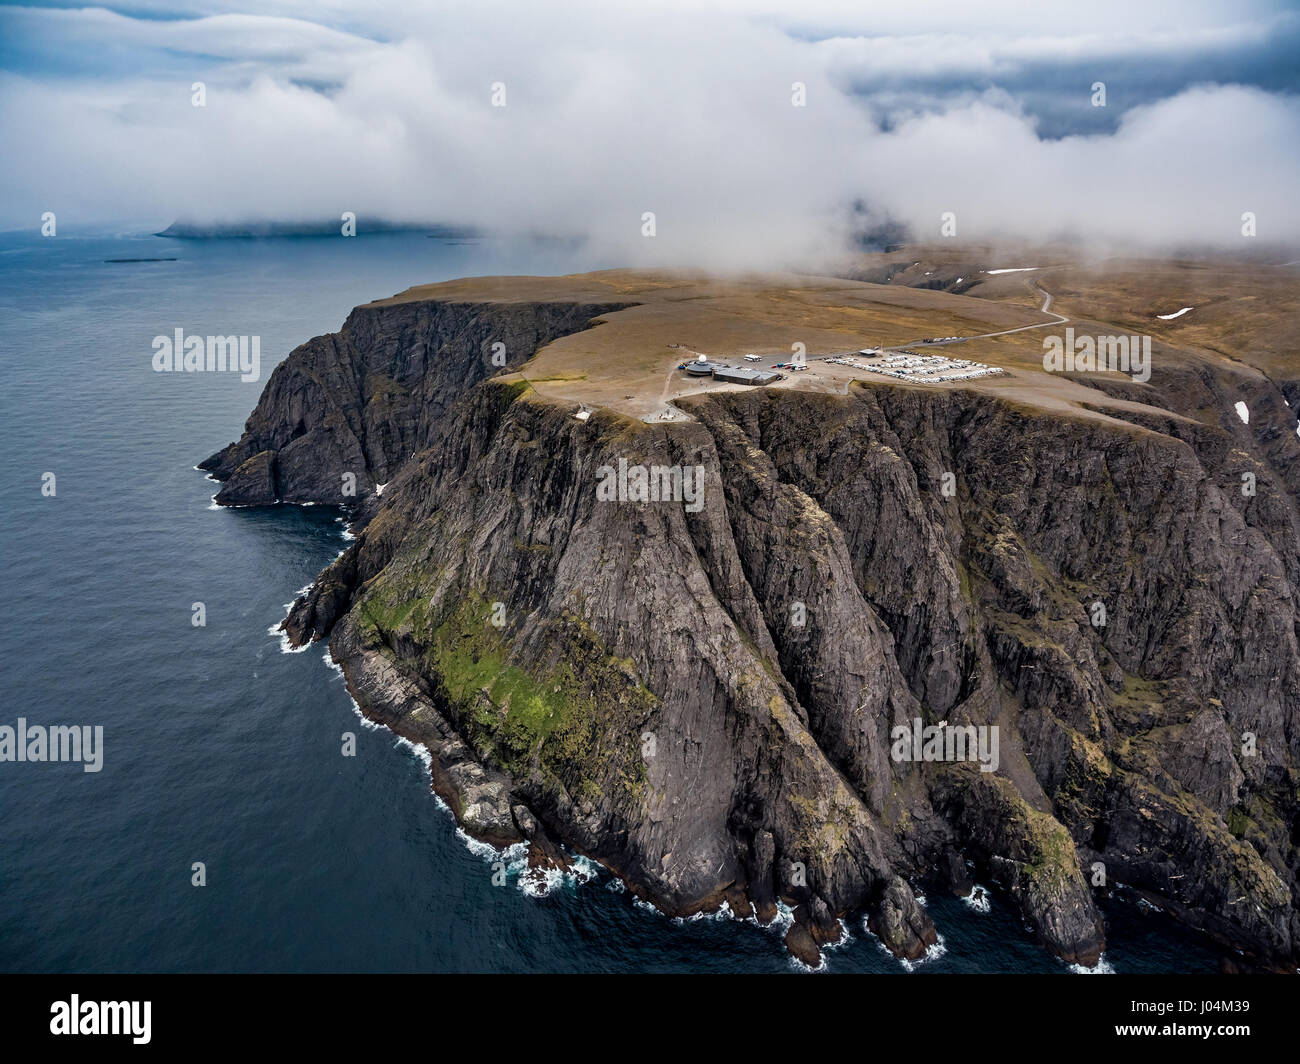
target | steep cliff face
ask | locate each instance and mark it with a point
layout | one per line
(346, 410)
(703, 695)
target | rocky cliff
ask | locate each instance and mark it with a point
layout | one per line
(704, 697)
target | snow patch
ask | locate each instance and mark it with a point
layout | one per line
(1243, 412)
(1175, 314)
(1016, 269)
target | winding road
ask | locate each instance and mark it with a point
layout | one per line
(1046, 308)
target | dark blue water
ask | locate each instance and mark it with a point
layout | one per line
(218, 747)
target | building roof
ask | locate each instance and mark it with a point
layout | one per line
(740, 375)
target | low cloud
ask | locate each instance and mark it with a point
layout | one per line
(609, 115)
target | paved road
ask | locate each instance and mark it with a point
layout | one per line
(1046, 308)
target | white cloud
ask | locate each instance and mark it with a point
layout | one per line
(610, 113)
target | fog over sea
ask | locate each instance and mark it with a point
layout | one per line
(219, 747)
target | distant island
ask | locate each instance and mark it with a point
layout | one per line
(235, 230)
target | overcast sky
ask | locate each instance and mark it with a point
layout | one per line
(680, 108)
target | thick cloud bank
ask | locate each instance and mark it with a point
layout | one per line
(691, 115)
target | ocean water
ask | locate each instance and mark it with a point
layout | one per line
(220, 748)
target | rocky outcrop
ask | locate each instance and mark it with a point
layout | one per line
(345, 411)
(704, 698)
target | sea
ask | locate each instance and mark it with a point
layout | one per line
(225, 831)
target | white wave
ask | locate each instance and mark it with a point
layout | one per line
(584, 869)
(799, 965)
(1103, 968)
(366, 722)
(539, 882)
(783, 919)
(285, 646)
(722, 912)
(932, 953)
(782, 923)
(846, 936)
(977, 899)
(334, 666)
(531, 882)
(418, 749)
(487, 852)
